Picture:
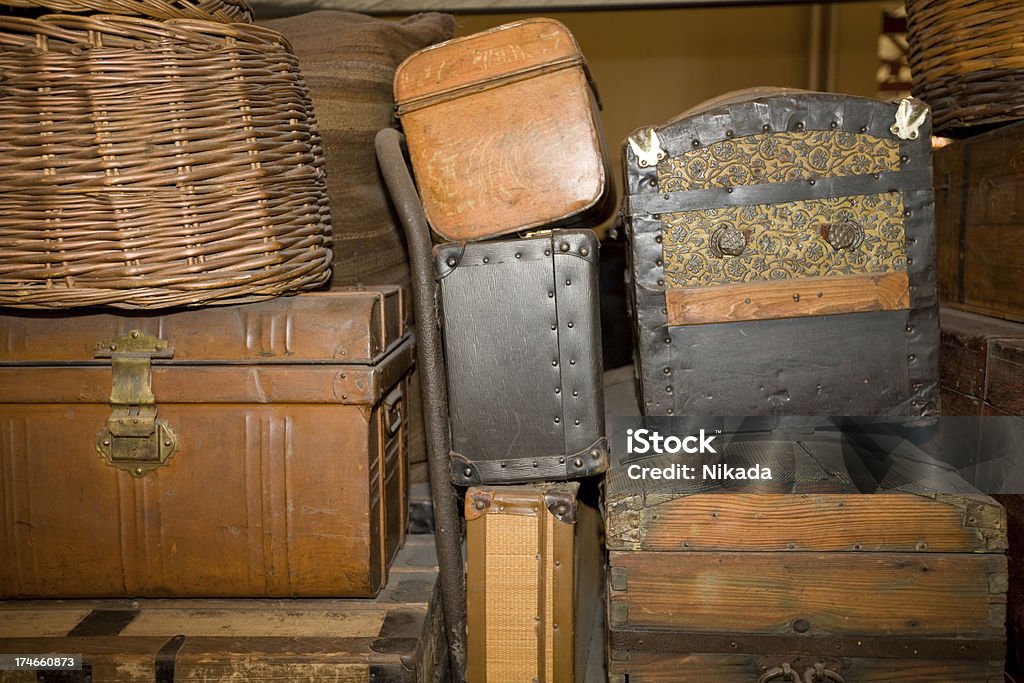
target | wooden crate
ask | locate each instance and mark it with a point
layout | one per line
(982, 365)
(733, 586)
(397, 636)
(979, 222)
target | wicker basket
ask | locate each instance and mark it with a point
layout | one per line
(147, 164)
(226, 11)
(967, 58)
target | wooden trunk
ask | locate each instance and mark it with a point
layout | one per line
(979, 185)
(533, 580)
(905, 585)
(397, 637)
(504, 133)
(252, 451)
(522, 339)
(982, 365)
(782, 244)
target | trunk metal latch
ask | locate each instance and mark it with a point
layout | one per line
(133, 439)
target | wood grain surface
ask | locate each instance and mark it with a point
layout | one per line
(780, 522)
(935, 595)
(798, 297)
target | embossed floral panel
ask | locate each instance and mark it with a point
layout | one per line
(779, 158)
(785, 241)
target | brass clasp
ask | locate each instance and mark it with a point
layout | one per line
(133, 439)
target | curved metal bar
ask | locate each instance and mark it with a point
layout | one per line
(448, 526)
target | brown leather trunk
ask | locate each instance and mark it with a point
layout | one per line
(818, 583)
(504, 133)
(253, 450)
(396, 637)
(533, 580)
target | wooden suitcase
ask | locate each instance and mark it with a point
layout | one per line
(253, 450)
(504, 133)
(533, 582)
(396, 637)
(783, 258)
(522, 341)
(817, 583)
(979, 203)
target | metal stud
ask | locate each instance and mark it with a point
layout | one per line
(558, 420)
(569, 325)
(584, 251)
(800, 125)
(833, 125)
(766, 128)
(812, 181)
(564, 246)
(468, 471)
(595, 454)
(518, 255)
(547, 252)
(451, 261)
(577, 462)
(479, 505)
(554, 363)
(863, 129)
(695, 143)
(486, 260)
(729, 133)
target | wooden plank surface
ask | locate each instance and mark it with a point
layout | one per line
(798, 297)
(899, 594)
(776, 522)
(399, 7)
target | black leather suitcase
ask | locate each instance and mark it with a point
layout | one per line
(783, 258)
(522, 343)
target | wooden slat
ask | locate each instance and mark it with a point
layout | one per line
(38, 623)
(788, 298)
(396, 7)
(771, 522)
(941, 595)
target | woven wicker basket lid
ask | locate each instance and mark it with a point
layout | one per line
(225, 11)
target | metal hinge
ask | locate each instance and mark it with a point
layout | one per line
(133, 439)
(910, 116)
(647, 147)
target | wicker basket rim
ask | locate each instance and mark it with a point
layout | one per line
(192, 31)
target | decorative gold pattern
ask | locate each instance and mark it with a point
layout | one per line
(785, 241)
(779, 158)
